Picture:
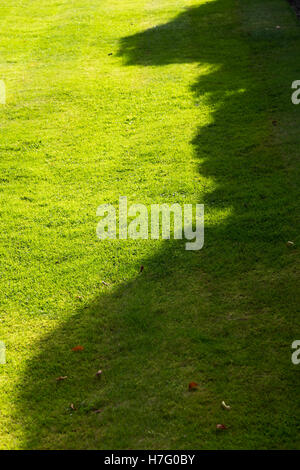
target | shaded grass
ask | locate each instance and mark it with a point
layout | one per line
(181, 112)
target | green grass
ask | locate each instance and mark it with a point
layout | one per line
(182, 111)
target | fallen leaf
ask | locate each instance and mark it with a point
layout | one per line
(99, 373)
(78, 348)
(193, 386)
(226, 407)
(221, 427)
(289, 243)
(62, 377)
(73, 407)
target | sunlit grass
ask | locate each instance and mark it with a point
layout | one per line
(162, 104)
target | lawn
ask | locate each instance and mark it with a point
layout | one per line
(161, 101)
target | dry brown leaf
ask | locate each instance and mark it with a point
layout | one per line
(221, 427)
(226, 407)
(62, 377)
(78, 348)
(193, 386)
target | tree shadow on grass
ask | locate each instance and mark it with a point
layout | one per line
(224, 316)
